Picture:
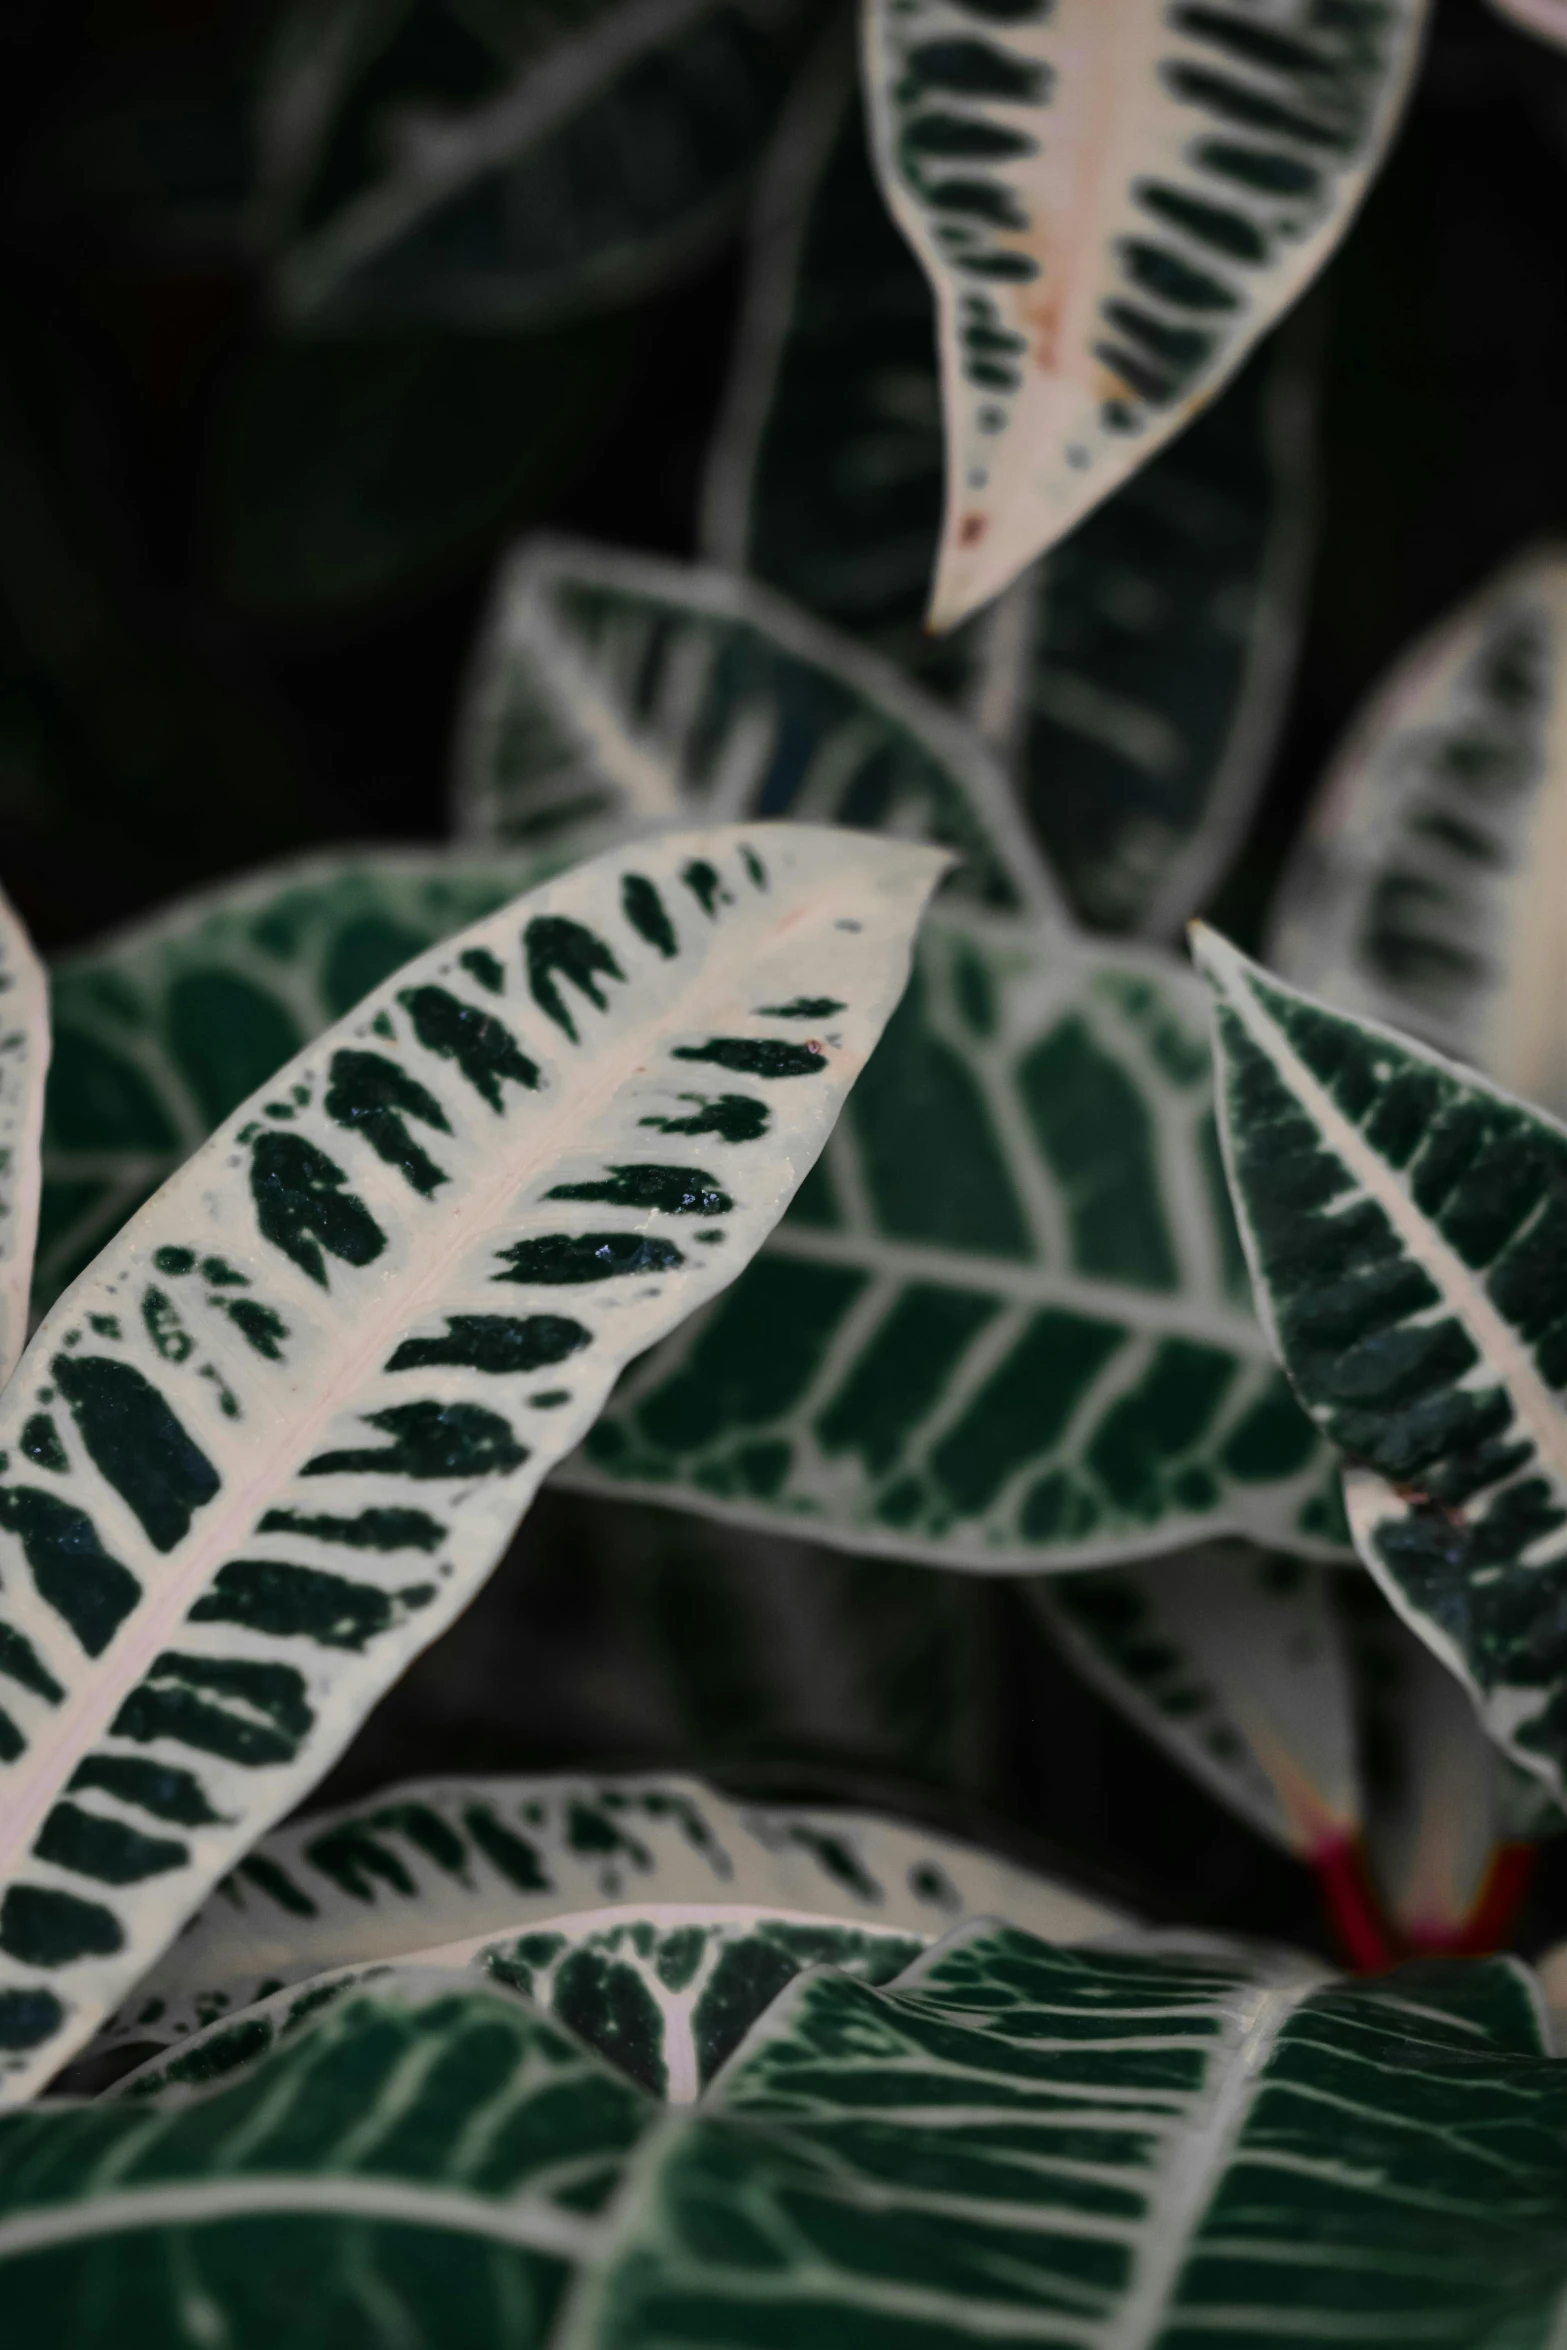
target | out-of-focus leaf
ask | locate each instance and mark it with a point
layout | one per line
(1449, 1820)
(1548, 18)
(515, 1874)
(163, 1029)
(1112, 204)
(1428, 888)
(486, 167)
(1132, 684)
(1406, 1228)
(348, 469)
(612, 690)
(24, 1059)
(1230, 1658)
(1007, 1323)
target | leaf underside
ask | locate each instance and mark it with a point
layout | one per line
(1406, 1226)
(269, 1445)
(1112, 204)
(1133, 686)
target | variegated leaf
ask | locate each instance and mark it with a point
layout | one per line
(1008, 2142)
(1007, 1324)
(518, 1874)
(610, 690)
(1133, 684)
(1112, 203)
(164, 1028)
(482, 168)
(256, 1460)
(429, 2162)
(1126, 2150)
(1427, 888)
(1230, 1658)
(1406, 1226)
(24, 1058)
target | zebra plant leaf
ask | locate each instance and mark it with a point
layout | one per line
(1009, 2141)
(1007, 1324)
(1406, 1227)
(1426, 890)
(1230, 1658)
(610, 689)
(1112, 205)
(24, 1058)
(433, 162)
(1019, 2143)
(163, 1029)
(685, 1907)
(267, 1447)
(1133, 684)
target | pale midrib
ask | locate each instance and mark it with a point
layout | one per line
(1539, 1410)
(1019, 1283)
(1196, 2167)
(106, 1680)
(531, 2227)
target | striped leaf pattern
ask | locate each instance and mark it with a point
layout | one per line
(510, 1866)
(424, 2160)
(1426, 890)
(1007, 1324)
(1134, 684)
(24, 1058)
(489, 168)
(612, 690)
(1233, 1660)
(163, 1029)
(1406, 1226)
(268, 1446)
(1009, 2141)
(1112, 204)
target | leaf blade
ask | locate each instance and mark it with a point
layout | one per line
(279, 1649)
(1097, 271)
(1419, 1327)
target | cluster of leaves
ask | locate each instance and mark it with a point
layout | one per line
(1215, 1320)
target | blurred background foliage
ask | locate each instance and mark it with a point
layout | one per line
(241, 569)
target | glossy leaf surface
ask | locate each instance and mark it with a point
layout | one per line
(1136, 2146)
(256, 1456)
(1427, 888)
(1133, 685)
(610, 689)
(1112, 203)
(519, 1874)
(1007, 1324)
(164, 1028)
(24, 1059)
(484, 168)
(1406, 1226)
